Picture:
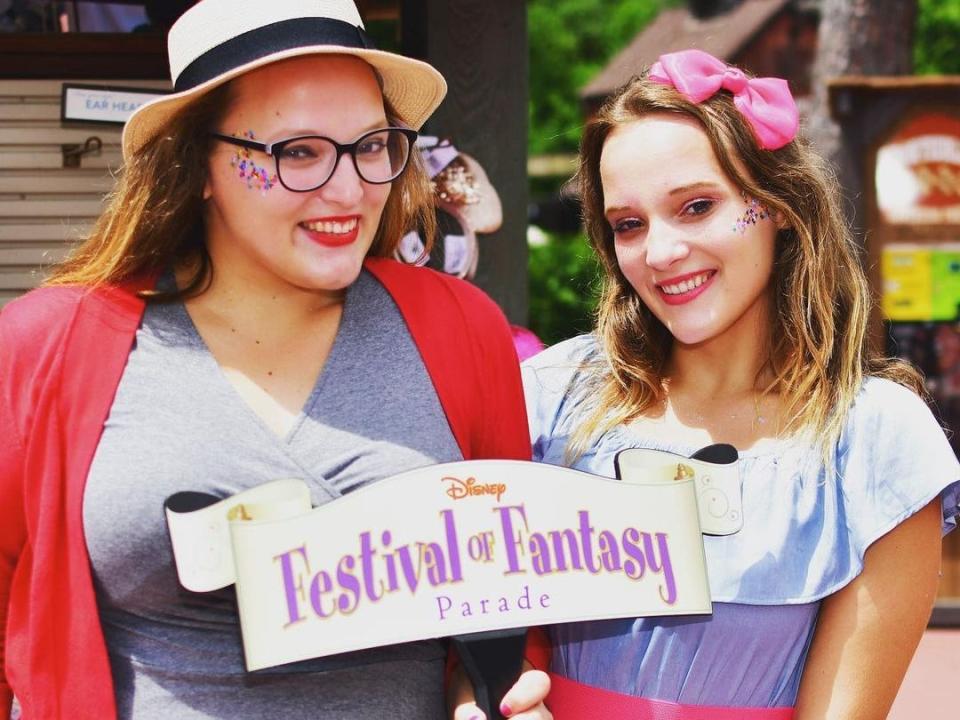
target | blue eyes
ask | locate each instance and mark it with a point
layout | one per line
(372, 147)
(627, 225)
(698, 207)
(694, 209)
(298, 152)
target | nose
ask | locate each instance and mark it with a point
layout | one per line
(344, 187)
(665, 246)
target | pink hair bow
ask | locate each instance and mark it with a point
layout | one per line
(766, 103)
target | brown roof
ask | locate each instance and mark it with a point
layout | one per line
(723, 36)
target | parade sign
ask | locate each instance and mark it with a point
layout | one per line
(444, 550)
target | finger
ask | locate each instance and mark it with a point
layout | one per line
(468, 711)
(529, 691)
(539, 712)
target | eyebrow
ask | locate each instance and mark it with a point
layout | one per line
(702, 185)
(290, 133)
(693, 186)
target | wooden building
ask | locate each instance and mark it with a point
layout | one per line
(906, 132)
(766, 37)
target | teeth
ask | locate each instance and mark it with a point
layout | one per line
(332, 228)
(685, 286)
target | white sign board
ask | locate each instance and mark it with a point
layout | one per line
(101, 103)
(444, 550)
(917, 175)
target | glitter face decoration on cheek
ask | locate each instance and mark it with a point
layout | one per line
(256, 177)
(754, 213)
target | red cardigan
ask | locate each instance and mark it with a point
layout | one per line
(62, 353)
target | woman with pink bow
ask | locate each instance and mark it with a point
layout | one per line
(734, 310)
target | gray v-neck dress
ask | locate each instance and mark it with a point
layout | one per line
(178, 424)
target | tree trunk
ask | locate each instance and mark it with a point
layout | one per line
(856, 37)
(480, 46)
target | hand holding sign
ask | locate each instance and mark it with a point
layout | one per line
(492, 660)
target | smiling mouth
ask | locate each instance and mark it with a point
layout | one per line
(688, 285)
(329, 227)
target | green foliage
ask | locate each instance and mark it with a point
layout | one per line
(564, 279)
(570, 42)
(935, 39)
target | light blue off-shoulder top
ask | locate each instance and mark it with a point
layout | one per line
(804, 537)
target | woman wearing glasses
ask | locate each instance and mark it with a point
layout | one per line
(232, 319)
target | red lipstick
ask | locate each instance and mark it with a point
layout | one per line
(324, 231)
(690, 295)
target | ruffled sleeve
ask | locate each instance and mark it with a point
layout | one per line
(894, 459)
(552, 388)
(807, 528)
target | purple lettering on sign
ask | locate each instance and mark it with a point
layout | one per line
(453, 548)
(292, 583)
(366, 562)
(511, 539)
(320, 586)
(662, 563)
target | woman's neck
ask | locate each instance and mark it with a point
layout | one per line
(717, 391)
(734, 362)
(270, 342)
(236, 298)
(716, 374)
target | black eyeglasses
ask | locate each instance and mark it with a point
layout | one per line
(306, 163)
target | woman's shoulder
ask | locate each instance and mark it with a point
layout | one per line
(891, 435)
(46, 297)
(885, 410)
(555, 393)
(42, 320)
(34, 329)
(551, 375)
(53, 306)
(892, 459)
(879, 393)
(42, 310)
(405, 282)
(566, 356)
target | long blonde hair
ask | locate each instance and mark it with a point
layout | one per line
(819, 352)
(153, 218)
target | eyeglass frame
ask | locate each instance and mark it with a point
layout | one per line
(342, 149)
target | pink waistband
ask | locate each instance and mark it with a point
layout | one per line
(570, 700)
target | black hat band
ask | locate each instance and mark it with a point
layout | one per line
(268, 40)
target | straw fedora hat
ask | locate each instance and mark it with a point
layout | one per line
(217, 40)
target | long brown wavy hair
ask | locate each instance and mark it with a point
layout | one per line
(820, 300)
(153, 217)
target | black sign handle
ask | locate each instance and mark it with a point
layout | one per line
(493, 661)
